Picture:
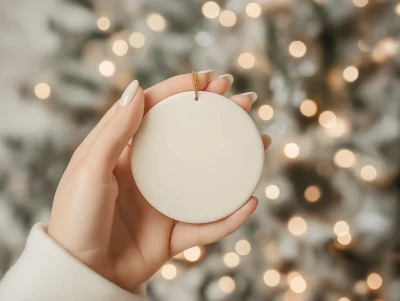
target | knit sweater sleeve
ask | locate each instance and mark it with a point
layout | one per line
(46, 272)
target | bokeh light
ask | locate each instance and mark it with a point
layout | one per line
(297, 49)
(344, 158)
(137, 40)
(308, 108)
(227, 18)
(374, 281)
(312, 194)
(368, 173)
(231, 259)
(327, 119)
(266, 112)
(397, 9)
(253, 10)
(168, 271)
(42, 90)
(120, 47)
(272, 192)
(345, 239)
(107, 68)
(360, 3)
(192, 254)
(341, 228)
(246, 60)
(226, 284)
(243, 247)
(210, 9)
(156, 22)
(343, 299)
(103, 23)
(272, 278)
(298, 284)
(350, 74)
(341, 128)
(297, 226)
(291, 150)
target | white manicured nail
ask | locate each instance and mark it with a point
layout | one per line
(209, 73)
(253, 96)
(129, 93)
(228, 77)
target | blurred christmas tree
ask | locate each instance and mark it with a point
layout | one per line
(327, 76)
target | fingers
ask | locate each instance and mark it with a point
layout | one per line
(266, 141)
(220, 84)
(185, 235)
(118, 129)
(174, 85)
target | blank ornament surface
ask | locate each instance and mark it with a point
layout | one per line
(197, 161)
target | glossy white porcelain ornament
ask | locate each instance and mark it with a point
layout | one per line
(197, 161)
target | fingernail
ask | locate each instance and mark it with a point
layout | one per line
(129, 93)
(267, 140)
(228, 77)
(253, 96)
(209, 73)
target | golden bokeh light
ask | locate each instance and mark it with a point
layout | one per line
(272, 192)
(327, 119)
(253, 10)
(231, 259)
(397, 9)
(120, 47)
(350, 74)
(272, 278)
(363, 46)
(168, 271)
(345, 239)
(374, 281)
(106, 68)
(137, 40)
(246, 60)
(308, 108)
(343, 299)
(103, 23)
(227, 18)
(291, 275)
(360, 287)
(344, 158)
(312, 194)
(341, 228)
(226, 284)
(156, 22)
(210, 9)
(360, 3)
(297, 49)
(341, 128)
(297, 226)
(42, 90)
(291, 150)
(192, 254)
(368, 173)
(298, 284)
(243, 247)
(266, 112)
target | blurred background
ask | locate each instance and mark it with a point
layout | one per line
(327, 73)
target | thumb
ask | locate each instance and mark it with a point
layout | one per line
(115, 134)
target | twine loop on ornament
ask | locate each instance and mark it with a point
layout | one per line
(194, 81)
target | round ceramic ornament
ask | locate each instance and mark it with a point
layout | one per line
(197, 161)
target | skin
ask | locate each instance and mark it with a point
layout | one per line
(100, 217)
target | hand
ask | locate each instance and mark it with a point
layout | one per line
(100, 217)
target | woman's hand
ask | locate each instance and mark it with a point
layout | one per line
(99, 215)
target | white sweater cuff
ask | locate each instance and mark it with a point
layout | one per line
(47, 272)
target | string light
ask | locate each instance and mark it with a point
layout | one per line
(308, 108)
(272, 192)
(103, 23)
(327, 119)
(350, 74)
(344, 158)
(291, 150)
(120, 47)
(253, 10)
(192, 254)
(243, 247)
(168, 271)
(42, 90)
(341, 228)
(272, 278)
(368, 173)
(106, 68)
(298, 284)
(345, 239)
(374, 281)
(266, 112)
(340, 129)
(137, 40)
(231, 260)
(226, 284)
(227, 18)
(360, 3)
(297, 49)
(210, 9)
(156, 22)
(312, 193)
(246, 60)
(297, 226)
